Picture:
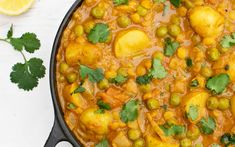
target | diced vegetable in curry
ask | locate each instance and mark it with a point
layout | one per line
(149, 73)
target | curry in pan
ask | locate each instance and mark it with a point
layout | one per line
(149, 73)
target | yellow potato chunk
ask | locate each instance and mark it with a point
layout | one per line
(154, 142)
(233, 105)
(206, 21)
(84, 53)
(130, 43)
(76, 99)
(198, 99)
(226, 64)
(95, 123)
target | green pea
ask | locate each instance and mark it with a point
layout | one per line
(193, 133)
(104, 84)
(63, 67)
(139, 143)
(134, 134)
(71, 77)
(78, 30)
(206, 71)
(161, 31)
(97, 12)
(196, 39)
(123, 21)
(141, 10)
(224, 103)
(174, 30)
(212, 103)
(175, 99)
(152, 104)
(214, 54)
(185, 142)
(145, 88)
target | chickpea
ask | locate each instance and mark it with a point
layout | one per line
(224, 103)
(182, 11)
(212, 103)
(140, 71)
(214, 54)
(185, 142)
(139, 143)
(161, 31)
(175, 99)
(147, 96)
(174, 30)
(141, 10)
(152, 104)
(134, 134)
(158, 55)
(182, 52)
(88, 26)
(71, 77)
(193, 132)
(97, 12)
(206, 71)
(123, 21)
(78, 30)
(63, 67)
(135, 18)
(104, 84)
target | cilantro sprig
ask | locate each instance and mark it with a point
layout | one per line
(129, 111)
(228, 139)
(26, 75)
(218, 83)
(207, 125)
(170, 47)
(171, 130)
(99, 34)
(228, 41)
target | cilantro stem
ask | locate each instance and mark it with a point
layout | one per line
(23, 56)
(5, 40)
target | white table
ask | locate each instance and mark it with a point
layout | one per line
(27, 117)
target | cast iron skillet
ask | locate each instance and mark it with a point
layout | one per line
(60, 131)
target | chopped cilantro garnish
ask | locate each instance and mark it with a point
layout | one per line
(228, 139)
(119, 79)
(103, 143)
(71, 106)
(171, 130)
(193, 112)
(228, 41)
(129, 111)
(94, 75)
(99, 33)
(170, 47)
(157, 71)
(79, 89)
(194, 83)
(120, 2)
(27, 74)
(189, 62)
(176, 3)
(218, 83)
(207, 125)
(103, 105)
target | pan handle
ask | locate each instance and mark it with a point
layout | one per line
(56, 135)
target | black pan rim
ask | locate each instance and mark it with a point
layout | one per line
(52, 76)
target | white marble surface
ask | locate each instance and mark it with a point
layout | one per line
(26, 118)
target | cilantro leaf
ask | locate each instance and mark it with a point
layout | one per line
(28, 41)
(143, 80)
(207, 126)
(176, 3)
(227, 139)
(10, 32)
(158, 71)
(218, 83)
(103, 143)
(120, 2)
(193, 112)
(129, 111)
(27, 75)
(194, 83)
(170, 47)
(94, 75)
(103, 105)
(71, 106)
(80, 89)
(172, 129)
(165, 9)
(189, 62)
(99, 33)
(119, 79)
(228, 41)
